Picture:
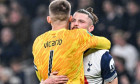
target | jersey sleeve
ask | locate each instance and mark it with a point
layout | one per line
(91, 41)
(102, 42)
(36, 62)
(37, 73)
(108, 71)
(34, 47)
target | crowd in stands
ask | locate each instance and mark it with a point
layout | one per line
(21, 21)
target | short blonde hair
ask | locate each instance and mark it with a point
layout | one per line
(59, 10)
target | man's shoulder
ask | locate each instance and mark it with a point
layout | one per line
(100, 56)
(100, 52)
(97, 56)
(79, 30)
(97, 53)
(42, 35)
(39, 38)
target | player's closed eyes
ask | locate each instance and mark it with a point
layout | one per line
(81, 21)
(73, 20)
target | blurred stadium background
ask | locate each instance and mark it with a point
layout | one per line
(21, 21)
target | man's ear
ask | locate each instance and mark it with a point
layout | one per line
(49, 19)
(70, 18)
(91, 28)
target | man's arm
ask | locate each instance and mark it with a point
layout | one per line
(115, 81)
(108, 71)
(102, 42)
(91, 41)
(54, 79)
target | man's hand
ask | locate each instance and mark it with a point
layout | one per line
(54, 79)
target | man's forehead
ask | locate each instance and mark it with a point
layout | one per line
(81, 15)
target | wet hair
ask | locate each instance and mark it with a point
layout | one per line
(59, 10)
(89, 12)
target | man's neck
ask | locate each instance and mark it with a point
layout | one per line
(59, 25)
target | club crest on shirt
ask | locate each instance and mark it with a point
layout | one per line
(89, 66)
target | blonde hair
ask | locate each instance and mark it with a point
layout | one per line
(59, 10)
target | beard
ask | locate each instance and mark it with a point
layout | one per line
(75, 27)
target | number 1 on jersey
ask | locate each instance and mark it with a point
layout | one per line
(50, 62)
